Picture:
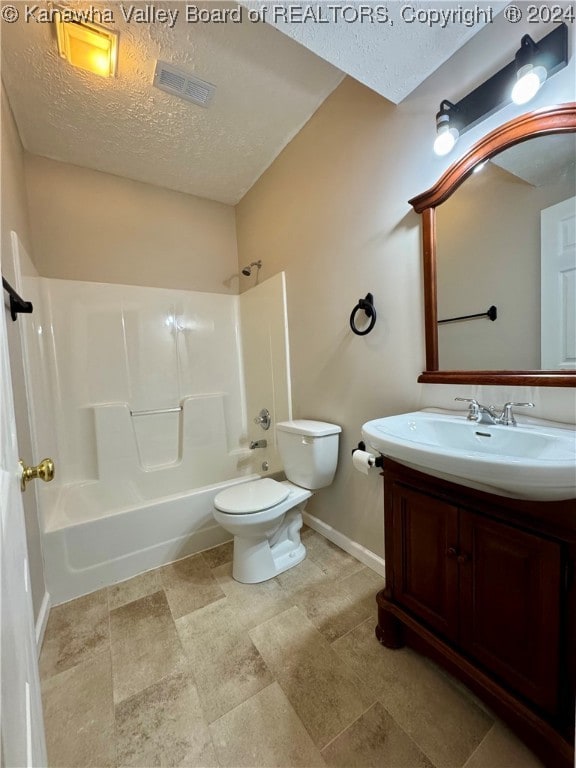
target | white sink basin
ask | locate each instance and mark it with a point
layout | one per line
(533, 461)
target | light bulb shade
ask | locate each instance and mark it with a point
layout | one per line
(445, 140)
(529, 80)
(88, 46)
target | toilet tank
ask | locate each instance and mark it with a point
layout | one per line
(309, 451)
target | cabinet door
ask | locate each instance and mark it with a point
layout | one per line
(425, 536)
(510, 586)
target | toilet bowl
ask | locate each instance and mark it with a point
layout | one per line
(265, 516)
(266, 538)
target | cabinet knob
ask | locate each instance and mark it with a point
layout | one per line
(452, 552)
(463, 558)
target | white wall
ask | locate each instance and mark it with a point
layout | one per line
(103, 351)
(266, 364)
(140, 349)
(15, 218)
(93, 226)
(332, 212)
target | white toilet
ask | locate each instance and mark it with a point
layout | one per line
(265, 515)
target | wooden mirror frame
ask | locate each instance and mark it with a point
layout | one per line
(557, 119)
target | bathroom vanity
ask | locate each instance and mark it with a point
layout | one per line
(480, 513)
(484, 585)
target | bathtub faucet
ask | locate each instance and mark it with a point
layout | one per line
(258, 444)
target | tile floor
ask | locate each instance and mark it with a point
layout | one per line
(183, 666)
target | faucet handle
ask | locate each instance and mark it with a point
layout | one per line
(473, 408)
(264, 419)
(507, 416)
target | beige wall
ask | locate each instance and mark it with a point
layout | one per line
(15, 218)
(93, 226)
(14, 206)
(332, 212)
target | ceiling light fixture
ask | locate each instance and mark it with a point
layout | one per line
(88, 46)
(517, 82)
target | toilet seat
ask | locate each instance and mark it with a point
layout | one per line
(253, 496)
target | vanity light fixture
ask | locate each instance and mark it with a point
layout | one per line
(88, 46)
(517, 82)
(447, 133)
(531, 73)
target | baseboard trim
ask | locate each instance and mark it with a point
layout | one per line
(352, 547)
(42, 620)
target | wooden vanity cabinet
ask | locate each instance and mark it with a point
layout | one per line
(483, 585)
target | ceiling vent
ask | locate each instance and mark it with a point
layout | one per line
(175, 81)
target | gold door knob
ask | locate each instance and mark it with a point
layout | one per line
(44, 470)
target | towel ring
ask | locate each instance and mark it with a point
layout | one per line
(367, 305)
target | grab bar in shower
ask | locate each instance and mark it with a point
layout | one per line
(155, 411)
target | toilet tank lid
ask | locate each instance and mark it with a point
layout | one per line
(309, 428)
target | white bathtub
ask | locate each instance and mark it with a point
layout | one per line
(86, 548)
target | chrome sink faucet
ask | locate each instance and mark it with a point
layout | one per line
(481, 414)
(488, 414)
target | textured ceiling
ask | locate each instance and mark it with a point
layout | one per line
(268, 86)
(390, 47)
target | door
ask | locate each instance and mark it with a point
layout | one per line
(510, 587)
(558, 286)
(21, 726)
(425, 538)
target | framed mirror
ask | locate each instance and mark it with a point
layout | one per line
(499, 250)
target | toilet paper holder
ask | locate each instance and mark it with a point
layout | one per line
(378, 462)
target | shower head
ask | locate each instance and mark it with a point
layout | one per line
(248, 270)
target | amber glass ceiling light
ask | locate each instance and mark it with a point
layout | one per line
(517, 82)
(88, 46)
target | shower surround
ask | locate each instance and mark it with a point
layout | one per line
(141, 400)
